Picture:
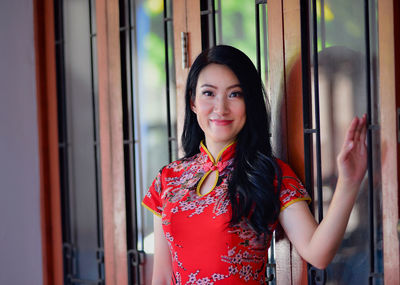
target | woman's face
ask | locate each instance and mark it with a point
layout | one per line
(219, 104)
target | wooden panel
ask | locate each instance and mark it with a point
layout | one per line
(186, 18)
(46, 93)
(285, 90)
(294, 109)
(111, 142)
(388, 76)
(276, 91)
(276, 77)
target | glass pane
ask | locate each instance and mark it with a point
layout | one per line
(343, 95)
(149, 78)
(82, 168)
(235, 22)
(152, 132)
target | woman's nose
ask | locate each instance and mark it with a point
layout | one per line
(220, 106)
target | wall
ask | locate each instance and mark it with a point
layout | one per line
(20, 235)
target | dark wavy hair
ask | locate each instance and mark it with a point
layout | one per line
(251, 188)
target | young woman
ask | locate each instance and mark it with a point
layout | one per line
(216, 209)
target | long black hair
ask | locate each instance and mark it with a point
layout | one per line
(251, 188)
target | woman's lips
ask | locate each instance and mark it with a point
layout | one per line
(222, 122)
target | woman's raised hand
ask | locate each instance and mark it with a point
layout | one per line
(352, 158)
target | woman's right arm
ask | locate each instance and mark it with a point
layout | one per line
(162, 267)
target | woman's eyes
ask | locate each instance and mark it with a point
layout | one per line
(207, 93)
(231, 95)
(235, 94)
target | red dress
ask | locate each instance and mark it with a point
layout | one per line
(204, 249)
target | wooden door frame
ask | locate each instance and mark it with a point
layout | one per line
(186, 19)
(46, 96)
(285, 87)
(389, 94)
(111, 143)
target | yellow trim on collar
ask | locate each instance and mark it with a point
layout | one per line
(219, 154)
(208, 172)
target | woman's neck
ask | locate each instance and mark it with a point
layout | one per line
(215, 148)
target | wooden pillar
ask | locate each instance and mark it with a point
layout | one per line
(389, 84)
(186, 19)
(111, 142)
(285, 92)
(46, 93)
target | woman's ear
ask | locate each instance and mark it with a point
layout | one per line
(192, 106)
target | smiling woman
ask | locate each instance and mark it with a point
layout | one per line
(227, 195)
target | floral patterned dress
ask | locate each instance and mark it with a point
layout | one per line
(204, 249)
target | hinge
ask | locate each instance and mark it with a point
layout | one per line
(136, 260)
(316, 276)
(270, 272)
(184, 46)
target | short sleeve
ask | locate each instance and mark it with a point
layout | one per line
(152, 200)
(292, 189)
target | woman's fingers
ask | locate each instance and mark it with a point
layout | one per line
(363, 133)
(357, 133)
(355, 137)
(351, 131)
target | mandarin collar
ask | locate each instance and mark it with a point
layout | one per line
(222, 160)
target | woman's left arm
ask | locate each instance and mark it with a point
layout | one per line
(318, 244)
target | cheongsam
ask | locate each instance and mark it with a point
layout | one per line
(204, 248)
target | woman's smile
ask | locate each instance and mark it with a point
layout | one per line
(219, 122)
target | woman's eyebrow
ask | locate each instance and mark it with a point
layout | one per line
(229, 87)
(208, 85)
(234, 86)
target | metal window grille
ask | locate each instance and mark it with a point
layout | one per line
(75, 257)
(132, 138)
(127, 44)
(312, 46)
(208, 23)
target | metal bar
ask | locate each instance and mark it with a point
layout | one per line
(307, 100)
(317, 113)
(205, 30)
(219, 22)
(369, 142)
(86, 281)
(315, 276)
(309, 131)
(205, 12)
(167, 87)
(99, 220)
(214, 35)
(63, 140)
(133, 273)
(258, 48)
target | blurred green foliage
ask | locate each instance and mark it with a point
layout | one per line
(344, 22)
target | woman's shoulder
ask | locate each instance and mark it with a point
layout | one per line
(287, 173)
(179, 165)
(285, 167)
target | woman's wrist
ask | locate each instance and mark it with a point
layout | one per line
(347, 186)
